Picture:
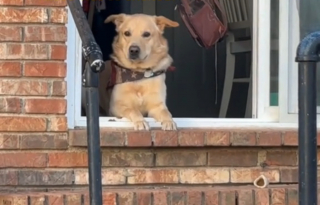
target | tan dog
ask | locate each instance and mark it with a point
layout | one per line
(139, 48)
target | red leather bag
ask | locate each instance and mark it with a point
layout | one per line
(205, 20)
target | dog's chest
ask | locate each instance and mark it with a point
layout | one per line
(139, 99)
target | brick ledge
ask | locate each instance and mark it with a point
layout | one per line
(189, 138)
(284, 194)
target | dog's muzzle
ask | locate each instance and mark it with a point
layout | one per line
(134, 52)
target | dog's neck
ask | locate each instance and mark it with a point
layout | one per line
(163, 64)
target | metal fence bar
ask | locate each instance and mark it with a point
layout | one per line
(90, 82)
(307, 57)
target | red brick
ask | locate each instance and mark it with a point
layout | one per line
(33, 177)
(73, 199)
(290, 139)
(58, 124)
(55, 199)
(45, 3)
(227, 197)
(44, 141)
(58, 15)
(204, 176)
(269, 139)
(11, 2)
(10, 105)
(248, 175)
(160, 198)
(178, 198)
(14, 200)
(165, 138)
(109, 177)
(23, 15)
(191, 138)
(108, 138)
(153, 176)
(9, 141)
(125, 198)
(293, 197)
(10, 69)
(139, 158)
(181, 158)
(262, 197)
(139, 139)
(59, 88)
(211, 198)
(218, 138)
(245, 197)
(10, 33)
(21, 160)
(282, 158)
(289, 175)
(8, 177)
(68, 159)
(36, 51)
(144, 198)
(58, 52)
(233, 158)
(20, 124)
(23, 51)
(86, 199)
(278, 196)
(37, 200)
(45, 106)
(109, 199)
(14, 51)
(243, 138)
(23, 87)
(194, 198)
(45, 69)
(78, 138)
(45, 33)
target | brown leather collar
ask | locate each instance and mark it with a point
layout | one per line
(120, 74)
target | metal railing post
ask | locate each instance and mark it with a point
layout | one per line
(307, 57)
(90, 82)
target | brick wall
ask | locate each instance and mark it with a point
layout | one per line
(187, 167)
(32, 69)
(39, 155)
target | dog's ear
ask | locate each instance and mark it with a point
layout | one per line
(116, 19)
(163, 22)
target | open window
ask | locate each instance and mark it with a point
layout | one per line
(235, 82)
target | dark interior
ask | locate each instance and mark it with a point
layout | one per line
(192, 90)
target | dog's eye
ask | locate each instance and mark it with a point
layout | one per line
(146, 34)
(127, 33)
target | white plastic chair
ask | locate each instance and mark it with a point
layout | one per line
(239, 15)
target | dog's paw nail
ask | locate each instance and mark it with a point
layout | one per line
(141, 125)
(169, 125)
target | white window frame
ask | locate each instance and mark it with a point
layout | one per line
(289, 68)
(264, 115)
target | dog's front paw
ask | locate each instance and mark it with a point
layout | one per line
(141, 125)
(168, 125)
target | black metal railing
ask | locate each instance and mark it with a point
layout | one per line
(307, 57)
(90, 82)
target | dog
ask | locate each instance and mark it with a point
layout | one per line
(136, 71)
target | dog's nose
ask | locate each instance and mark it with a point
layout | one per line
(134, 52)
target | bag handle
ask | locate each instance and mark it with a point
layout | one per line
(222, 11)
(186, 6)
(190, 28)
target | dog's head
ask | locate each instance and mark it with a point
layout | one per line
(139, 42)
